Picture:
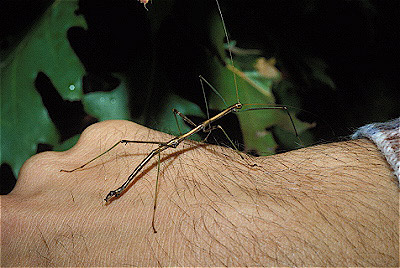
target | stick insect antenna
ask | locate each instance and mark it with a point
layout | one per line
(229, 49)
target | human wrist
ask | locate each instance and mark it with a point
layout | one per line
(386, 136)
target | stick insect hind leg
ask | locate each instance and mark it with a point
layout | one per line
(207, 128)
(243, 109)
(156, 194)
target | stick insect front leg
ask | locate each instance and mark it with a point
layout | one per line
(109, 149)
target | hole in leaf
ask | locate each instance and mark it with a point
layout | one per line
(8, 179)
(43, 147)
(68, 116)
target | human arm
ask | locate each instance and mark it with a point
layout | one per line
(334, 204)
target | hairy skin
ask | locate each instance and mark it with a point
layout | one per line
(328, 205)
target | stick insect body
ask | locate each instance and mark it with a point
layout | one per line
(173, 143)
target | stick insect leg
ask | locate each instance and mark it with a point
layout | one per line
(184, 117)
(176, 120)
(206, 130)
(202, 81)
(156, 194)
(91, 160)
(226, 135)
(281, 107)
(109, 149)
(211, 128)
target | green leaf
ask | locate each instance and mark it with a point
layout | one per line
(108, 105)
(255, 90)
(24, 120)
(253, 124)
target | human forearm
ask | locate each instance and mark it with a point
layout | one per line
(332, 204)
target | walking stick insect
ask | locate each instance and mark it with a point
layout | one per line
(205, 126)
